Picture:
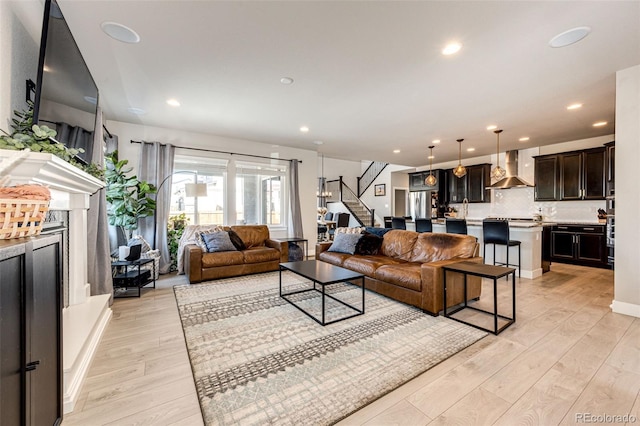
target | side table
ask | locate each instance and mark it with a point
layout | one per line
(128, 275)
(484, 271)
(294, 240)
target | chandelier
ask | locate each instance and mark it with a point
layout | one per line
(323, 192)
(431, 180)
(461, 170)
(498, 172)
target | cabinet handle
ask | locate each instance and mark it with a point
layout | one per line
(32, 366)
(562, 227)
(589, 229)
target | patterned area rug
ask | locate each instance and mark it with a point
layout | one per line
(256, 359)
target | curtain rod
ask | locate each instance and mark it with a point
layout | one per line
(228, 152)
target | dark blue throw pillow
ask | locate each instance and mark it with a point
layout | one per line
(377, 231)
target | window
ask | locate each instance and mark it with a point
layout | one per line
(207, 209)
(260, 193)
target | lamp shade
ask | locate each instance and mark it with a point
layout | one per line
(195, 189)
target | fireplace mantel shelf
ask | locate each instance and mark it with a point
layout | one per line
(53, 172)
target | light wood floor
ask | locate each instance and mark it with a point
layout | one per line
(567, 354)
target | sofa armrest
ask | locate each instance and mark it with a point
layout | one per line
(322, 246)
(432, 276)
(193, 263)
(281, 246)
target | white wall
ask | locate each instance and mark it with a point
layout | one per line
(20, 28)
(307, 170)
(627, 268)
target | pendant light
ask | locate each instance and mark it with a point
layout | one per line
(431, 180)
(498, 172)
(323, 193)
(461, 170)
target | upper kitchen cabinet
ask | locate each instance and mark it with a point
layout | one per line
(611, 167)
(576, 175)
(416, 181)
(471, 186)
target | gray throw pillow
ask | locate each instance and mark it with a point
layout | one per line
(218, 241)
(345, 243)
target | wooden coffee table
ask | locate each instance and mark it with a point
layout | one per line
(322, 274)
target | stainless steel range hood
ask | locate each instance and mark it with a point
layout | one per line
(511, 180)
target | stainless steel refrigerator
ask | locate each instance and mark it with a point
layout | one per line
(420, 203)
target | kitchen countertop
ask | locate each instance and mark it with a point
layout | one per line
(525, 223)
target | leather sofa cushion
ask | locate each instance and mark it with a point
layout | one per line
(367, 265)
(398, 244)
(431, 247)
(334, 258)
(252, 235)
(223, 258)
(406, 275)
(260, 254)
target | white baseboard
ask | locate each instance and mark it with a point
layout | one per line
(530, 274)
(83, 326)
(625, 308)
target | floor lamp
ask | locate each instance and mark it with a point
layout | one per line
(191, 190)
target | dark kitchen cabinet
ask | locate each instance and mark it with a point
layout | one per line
(471, 186)
(577, 175)
(30, 331)
(416, 181)
(579, 244)
(547, 176)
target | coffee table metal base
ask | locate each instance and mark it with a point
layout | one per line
(324, 295)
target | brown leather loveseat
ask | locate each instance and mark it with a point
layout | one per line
(261, 255)
(409, 265)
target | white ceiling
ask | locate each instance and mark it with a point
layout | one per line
(369, 76)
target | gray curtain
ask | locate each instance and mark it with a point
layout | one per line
(77, 137)
(156, 165)
(98, 253)
(294, 197)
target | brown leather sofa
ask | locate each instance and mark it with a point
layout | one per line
(409, 267)
(262, 254)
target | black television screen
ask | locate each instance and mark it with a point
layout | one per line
(66, 95)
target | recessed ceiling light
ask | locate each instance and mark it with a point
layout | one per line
(574, 106)
(46, 68)
(524, 139)
(286, 80)
(136, 111)
(173, 102)
(569, 37)
(396, 151)
(91, 99)
(492, 127)
(120, 32)
(451, 48)
(436, 141)
(304, 129)
(470, 149)
(600, 124)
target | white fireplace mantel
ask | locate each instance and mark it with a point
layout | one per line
(86, 317)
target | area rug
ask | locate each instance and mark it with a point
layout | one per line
(257, 359)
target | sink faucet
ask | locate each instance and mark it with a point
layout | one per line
(465, 208)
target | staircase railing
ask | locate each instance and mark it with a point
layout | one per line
(370, 175)
(340, 191)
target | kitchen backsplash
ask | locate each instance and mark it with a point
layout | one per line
(519, 203)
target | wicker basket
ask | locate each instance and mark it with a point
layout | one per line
(21, 217)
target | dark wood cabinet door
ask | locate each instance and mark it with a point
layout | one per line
(416, 181)
(611, 168)
(546, 178)
(478, 178)
(562, 244)
(591, 247)
(594, 181)
(11, 332)
(457, 187)
(571, 176)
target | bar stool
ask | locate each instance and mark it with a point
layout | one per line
(456, 226)
(496, 232)
(387, 221)
(423, 225)
(398, 223)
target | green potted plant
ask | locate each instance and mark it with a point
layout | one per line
(128, 197)
(37, 138)
(175, 228)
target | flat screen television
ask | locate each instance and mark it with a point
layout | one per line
(66, 94)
